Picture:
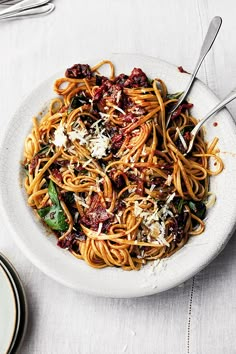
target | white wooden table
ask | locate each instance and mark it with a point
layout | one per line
(198, 317)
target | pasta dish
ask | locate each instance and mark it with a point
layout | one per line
(106, 175)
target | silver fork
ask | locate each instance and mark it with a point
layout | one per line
(212, 32)
(23, 5)
(230, 97)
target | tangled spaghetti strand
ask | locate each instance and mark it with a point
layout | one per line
(106, 175)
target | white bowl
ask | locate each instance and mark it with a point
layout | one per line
(59, 264)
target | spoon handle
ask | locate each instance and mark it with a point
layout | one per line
(212, 32)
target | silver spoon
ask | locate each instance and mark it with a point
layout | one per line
(33, 12)
(23, 5)
(230, 97)
(212, 32)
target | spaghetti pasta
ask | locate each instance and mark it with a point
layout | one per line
(106, 175)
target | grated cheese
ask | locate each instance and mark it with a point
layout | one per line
(118, 218)
(60, 138)
(169, 180)
(162, 240)
(152, 187)
(99, 145)
(78, 135)
(118, 96)
(137, 209)
(99, 228)
(119, 109)
(170, 198)
(71, 150)
(87, 163)
(80, 200)
(182, 139)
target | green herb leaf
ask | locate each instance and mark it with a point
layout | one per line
(69, 198)
(180, 206)
(53, 193)
(44, 211)
(198, 209)
(174, 96)
(54, 215)
(78, 101)
(43, 151)
(26, 169)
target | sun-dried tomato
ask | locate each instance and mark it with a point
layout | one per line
(180, 109)
(79, 71)
(137, 78)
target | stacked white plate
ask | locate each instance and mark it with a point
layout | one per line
(13, 308)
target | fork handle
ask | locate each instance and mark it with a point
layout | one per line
(23, 5)
(210, 37)
(206, 46)
(33, 12)
(230, 97)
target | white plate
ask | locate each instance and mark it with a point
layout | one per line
(21, 304)
(41, 249)
(7, 312)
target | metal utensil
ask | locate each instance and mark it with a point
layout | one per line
(9, 2)
(212, 32)
(23, 5)
(34, 12)
(230, 97)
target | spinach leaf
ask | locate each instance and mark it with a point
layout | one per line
(198, 209)
(44, 211)
(26, 169)
(69, 198)
(174, 96)
(43, 151)
(78, 101)
(54, 215)
(53, 193)
(179, 204)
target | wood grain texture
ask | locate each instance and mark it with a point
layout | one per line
(61, 320)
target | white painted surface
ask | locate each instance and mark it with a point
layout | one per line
(61, 320)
